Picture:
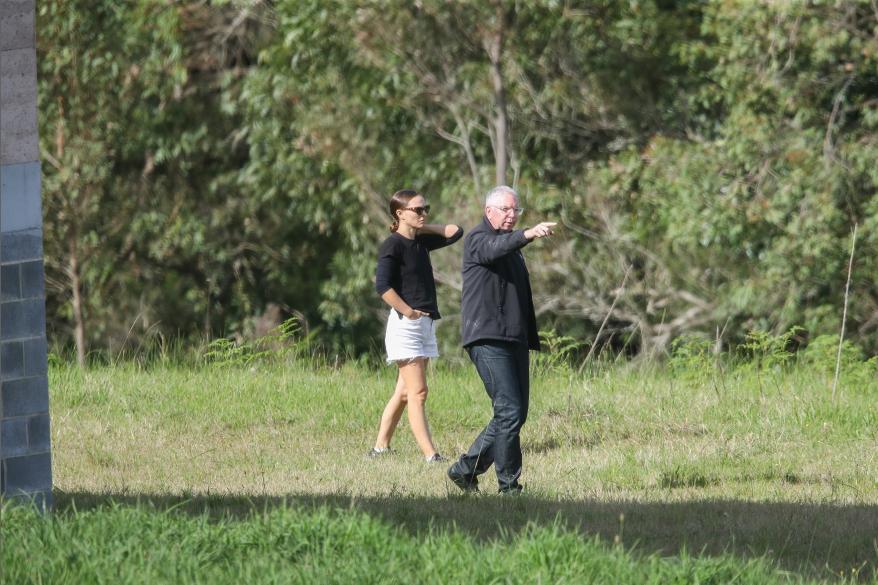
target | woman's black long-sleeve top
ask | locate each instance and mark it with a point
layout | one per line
(404, 265)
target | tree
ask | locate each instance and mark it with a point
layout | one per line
(88, 101)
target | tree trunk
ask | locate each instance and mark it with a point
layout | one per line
(208, 323)
(494, 46)
(466, 143)
(73, 268)
(78, 313)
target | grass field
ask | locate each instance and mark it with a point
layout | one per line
(675, 473)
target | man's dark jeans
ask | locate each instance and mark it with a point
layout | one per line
(504, 369)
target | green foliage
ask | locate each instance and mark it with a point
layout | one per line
(692, 358)
(558, 352)
(767, 351)
(285, 342)
(854, 370)
(822, 353)
(706, 161)
(140, 220)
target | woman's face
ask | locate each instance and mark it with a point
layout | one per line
(411, 217)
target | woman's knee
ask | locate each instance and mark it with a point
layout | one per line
(418, 394)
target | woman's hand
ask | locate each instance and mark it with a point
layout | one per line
(415, 314)
(400, 306)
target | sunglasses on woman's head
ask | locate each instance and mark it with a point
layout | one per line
(419, 210)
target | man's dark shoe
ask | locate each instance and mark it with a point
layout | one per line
(514, 490)
(467, 484)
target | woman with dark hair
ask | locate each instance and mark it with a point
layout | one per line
(404, 279)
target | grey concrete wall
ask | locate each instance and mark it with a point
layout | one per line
(25, 458)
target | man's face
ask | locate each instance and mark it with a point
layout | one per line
(501, 213)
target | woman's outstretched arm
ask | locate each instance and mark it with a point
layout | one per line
(441, 229)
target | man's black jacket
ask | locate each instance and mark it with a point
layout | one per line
(496, 303)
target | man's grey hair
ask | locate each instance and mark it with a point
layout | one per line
(494, 194)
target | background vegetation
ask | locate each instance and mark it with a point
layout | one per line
(212, 167)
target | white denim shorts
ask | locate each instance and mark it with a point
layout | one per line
(406, 338)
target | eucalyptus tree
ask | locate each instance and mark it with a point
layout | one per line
(99, 62)
(143, 210)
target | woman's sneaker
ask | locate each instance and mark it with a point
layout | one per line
(376, 452)
(436, 458)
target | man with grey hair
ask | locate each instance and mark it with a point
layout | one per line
(498, 328)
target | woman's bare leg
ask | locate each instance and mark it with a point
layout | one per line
(392, 414)
(414, 375)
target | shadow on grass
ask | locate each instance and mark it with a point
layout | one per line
(814, 540)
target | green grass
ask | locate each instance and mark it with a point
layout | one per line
(121, 544)
(733, 466)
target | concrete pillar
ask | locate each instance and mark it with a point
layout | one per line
(25, 460)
